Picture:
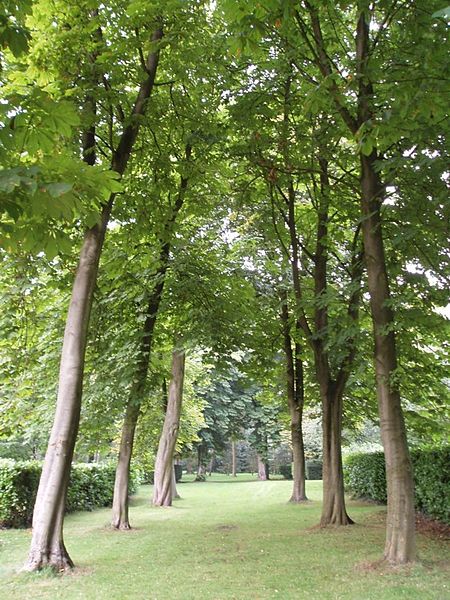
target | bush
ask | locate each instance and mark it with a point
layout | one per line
(432, 482)
(91, 486)
(365, 478)
(285, 471)
(18, 487)
(313, 469)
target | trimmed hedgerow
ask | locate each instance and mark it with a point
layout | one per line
(432, 482)
(18, 486)
(365, 478)
(91, 486)
(313, 469)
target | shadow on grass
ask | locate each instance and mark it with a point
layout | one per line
(137, 501)
(231, 480)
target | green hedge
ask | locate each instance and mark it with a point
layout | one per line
(18, 486)
(149, 476)
(91, 486)
(432, 482)
(313, 469)
(365, 478)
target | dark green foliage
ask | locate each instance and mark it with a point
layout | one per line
(365, 478)
(146, 476)
(285, 471)
(432, 482)
(313, 469)
(18, 487)
(91, 486)
(178, 473)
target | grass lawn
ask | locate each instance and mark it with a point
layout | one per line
(227, 538)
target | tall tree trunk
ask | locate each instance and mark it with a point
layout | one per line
(233, 458)
(200, 476)
(211, 463)
(120, 518)
(400, 529)
(262, 473)
(175, 494)
(47, 545)
(295, 395)
(400, 526)
(400, 544)
(164, 471)
(298, 459)
(333, 507)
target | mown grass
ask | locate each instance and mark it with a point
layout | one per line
(227, 539)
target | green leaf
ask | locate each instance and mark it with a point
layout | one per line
(58, 189)
(366, 147)
(51, 249)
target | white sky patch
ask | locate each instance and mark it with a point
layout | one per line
(417, 268)
(391, 197)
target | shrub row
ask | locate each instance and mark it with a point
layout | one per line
(149, 476)
(313, 470)
(365, 477)
(91, 486)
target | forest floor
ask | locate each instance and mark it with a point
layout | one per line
(228, 539)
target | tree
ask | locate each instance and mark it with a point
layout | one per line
(153, 297)
(47, 545)
(164, 490)
(299, 201)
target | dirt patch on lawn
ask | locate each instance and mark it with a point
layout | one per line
(226, 527)
(432, 529)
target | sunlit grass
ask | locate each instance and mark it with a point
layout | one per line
(227, 538)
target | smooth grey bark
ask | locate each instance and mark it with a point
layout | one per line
(164, 470)
(47, 544)
(120, 513)
(400, 546)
